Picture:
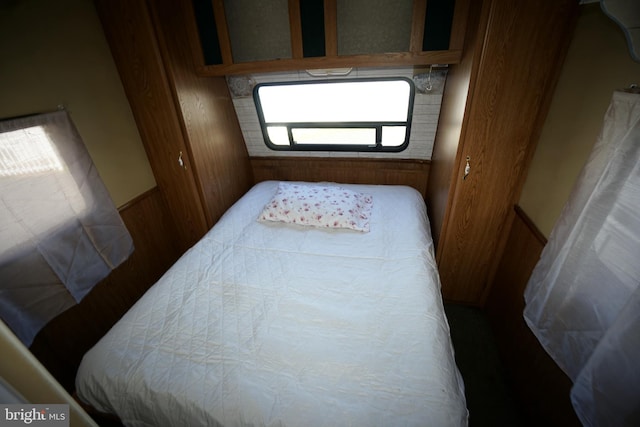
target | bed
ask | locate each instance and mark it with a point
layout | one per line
(268, 323)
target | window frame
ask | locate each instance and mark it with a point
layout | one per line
(377, 125)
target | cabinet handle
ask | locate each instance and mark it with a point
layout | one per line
(467, 168)
(181, 162)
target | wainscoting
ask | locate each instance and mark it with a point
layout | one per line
(542, 388)
(61, 344)
(414, 173)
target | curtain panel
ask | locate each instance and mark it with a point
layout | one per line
(583, 298)
(61, 233)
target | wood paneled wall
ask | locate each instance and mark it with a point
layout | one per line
(217, 150)
(454, 103)
(187, 123)
(413, 173)
(541, 386)
(523, 47)
(61, 344)
(129, 31)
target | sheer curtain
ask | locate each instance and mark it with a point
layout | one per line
(60, 233)
(583, 298)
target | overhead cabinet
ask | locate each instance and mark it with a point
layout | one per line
(240, 36)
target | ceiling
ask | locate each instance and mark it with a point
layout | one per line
(626, 13)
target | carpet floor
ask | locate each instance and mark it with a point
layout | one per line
(489, 399)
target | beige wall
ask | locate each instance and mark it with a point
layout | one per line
(54, 52)
(598, 62)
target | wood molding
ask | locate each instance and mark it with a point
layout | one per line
(295, 25)
(341, 61)
(417, 25)
(62, 343)
(413, 173)
(541, 386)
(223, 32)
(459, 24)
(535, 231)
(331, 28)
(131, 204)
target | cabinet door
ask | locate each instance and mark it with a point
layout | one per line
(240, 37)
(133, 44)
(524, 45)
(258, 31)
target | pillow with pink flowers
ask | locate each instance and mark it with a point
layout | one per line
(319, 206)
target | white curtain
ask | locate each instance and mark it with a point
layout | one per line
(60, 233)
(583, 298)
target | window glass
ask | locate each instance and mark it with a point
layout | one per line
(334, 136)
(354, 115)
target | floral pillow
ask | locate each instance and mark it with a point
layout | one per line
(319, 206)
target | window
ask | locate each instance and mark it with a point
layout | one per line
(336, 115)
(30, 164)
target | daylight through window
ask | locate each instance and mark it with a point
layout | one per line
(336, 115)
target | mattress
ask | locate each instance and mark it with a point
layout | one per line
(272, 324)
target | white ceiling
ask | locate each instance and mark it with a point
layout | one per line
(625, 13)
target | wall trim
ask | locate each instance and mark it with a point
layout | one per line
(138, 198)
(541, 388)
(530, 224)
(353, 170)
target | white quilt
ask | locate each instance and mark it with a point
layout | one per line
(283, 325)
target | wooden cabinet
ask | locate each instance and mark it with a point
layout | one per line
(235, 37)
(187, 123)
(504, 86)
(131, 37)
(216, 148)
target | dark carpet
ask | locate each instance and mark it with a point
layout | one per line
(489, 399)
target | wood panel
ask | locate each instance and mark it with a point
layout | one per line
(129, 32)
(223, 32)
(413, 173)
(331, 28)
(417, 25)
(216, 148)
(61, 344)
(295, 24)
(459, 24)
(455, 101)
(523, 49)
(541, 386)
(343, 61)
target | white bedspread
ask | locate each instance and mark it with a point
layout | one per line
(281, 325)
